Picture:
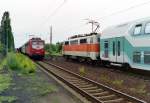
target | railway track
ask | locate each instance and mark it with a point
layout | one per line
(93, 91)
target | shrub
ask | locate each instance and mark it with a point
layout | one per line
(82, 71)
(118, 82)
(17, 61)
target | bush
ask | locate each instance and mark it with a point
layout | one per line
(82, 71)
(17, 61)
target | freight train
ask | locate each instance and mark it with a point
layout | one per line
(126, 45)
(34, 48)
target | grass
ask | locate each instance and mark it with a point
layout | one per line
(5, 82)
(118, 82)
(17, 61)
(82, 71)
(7, 99)
(39, 86)
(107, 79)
(140, 89)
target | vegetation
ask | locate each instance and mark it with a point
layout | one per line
(5, 83)
(106, 78)
(1, 47)
(17, 61)
(118, 82)
(5, 80)
(6, 36)
(140, 89)
(7, 99)
(53, 49)
(82, 71)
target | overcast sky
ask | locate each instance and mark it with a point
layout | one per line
(33, 17)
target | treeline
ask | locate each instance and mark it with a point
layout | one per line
(6, 36)
(53, 49)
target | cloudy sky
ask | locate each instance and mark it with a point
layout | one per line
(34, 17)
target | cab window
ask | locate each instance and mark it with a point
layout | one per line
(138, 29)
(147, 28)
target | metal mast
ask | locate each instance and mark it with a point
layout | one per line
(51, 36)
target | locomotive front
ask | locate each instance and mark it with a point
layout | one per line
(37, 48)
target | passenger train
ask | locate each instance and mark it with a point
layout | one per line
(126, 44)
(34, 48)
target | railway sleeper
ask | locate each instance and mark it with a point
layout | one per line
(90, 88)
(69, 77)
(111, 96)
(118, 100)
(78, 84)
(85, 86)
(98, 95)
(76, 81)
(95, 90)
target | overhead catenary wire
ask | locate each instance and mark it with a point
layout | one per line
(125, 10)
(51, 14)
(54, 12)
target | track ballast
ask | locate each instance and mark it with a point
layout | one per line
(93, 91)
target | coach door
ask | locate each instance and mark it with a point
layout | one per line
(117, 50)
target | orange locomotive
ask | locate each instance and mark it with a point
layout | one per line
(82, 47)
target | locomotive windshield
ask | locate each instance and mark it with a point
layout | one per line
(37, 45)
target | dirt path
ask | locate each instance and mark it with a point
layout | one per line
(37, 88)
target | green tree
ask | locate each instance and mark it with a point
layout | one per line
(1, 47)
(53, 48)
(6, 36)
(58, 47)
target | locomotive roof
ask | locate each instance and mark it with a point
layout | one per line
(122, 29)
(81, 36)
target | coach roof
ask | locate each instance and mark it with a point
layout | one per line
(122, 29)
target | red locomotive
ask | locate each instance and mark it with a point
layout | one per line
(34, 48)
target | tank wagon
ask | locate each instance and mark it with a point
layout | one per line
(82, 47)
(34, 48)
(127, 44)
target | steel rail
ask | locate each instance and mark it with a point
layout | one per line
(84, 92)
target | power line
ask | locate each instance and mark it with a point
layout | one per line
(127, 9)
(54, 12)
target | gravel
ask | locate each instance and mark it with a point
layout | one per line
(130, 83)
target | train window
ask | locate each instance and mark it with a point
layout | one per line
(66, 42)
(83, 41)
(118, 48)
(37, 44)
(34, 43)
(74, 42)
(147, 28)
(114, 51)
(137, 29)
(147, 57)
(98, 39)
(106, 44)
(106, 49)
(137, 57)
(91, 40)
